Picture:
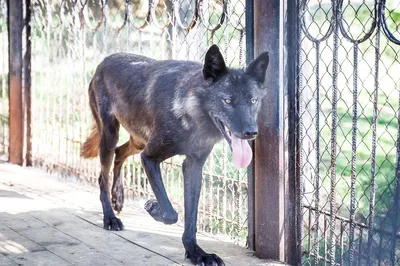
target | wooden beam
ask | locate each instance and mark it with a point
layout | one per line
(275, 190)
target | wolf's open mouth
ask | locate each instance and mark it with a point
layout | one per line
(241, 151)
(224, 130)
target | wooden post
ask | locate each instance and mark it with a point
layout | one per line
(275, 190)
(16, 115)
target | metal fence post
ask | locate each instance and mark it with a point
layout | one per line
(291, 84)
(250, 170)
(27, 83)
(16, 115)
(274, 190)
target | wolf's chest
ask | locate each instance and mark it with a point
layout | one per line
(198, 140)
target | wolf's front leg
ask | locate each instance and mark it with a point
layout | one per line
(161, 209)
(192, 172)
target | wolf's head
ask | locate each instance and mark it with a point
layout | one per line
(235, 101)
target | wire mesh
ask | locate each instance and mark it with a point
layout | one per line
(70, 38)
(349, 132)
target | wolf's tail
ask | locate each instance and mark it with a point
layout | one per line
(90, 147)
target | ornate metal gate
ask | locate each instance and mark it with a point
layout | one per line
(348, 132)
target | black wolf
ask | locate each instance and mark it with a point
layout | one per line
(171, 107)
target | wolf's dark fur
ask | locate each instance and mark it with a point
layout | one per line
(169, 108)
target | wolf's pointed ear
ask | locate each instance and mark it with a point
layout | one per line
(214, 64)
(257, 69)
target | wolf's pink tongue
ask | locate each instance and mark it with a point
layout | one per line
(241, 152)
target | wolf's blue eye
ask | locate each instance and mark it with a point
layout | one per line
(253, 101)
(227, 101)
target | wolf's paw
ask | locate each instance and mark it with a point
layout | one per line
(198, 257)
(153, 208)
(117, 198)
(112, 223)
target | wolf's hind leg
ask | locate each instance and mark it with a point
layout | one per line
(108, 142)
(131, 147)
(161, 210)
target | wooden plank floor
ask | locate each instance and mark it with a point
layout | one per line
(45, 220)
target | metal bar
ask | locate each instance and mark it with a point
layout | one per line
(16, 116)
(300, 153)
(225, 188)
(357, 224)
(397, 191)
(271, 209)
(250, 170)
(249, 30)
(104, 8)
(353, 155)
(374, 135)
(380, 250)
(325, 239)
(360, 247)
(335, 69)
(317, 151)
(291, 85)
(342, 229)
(4, 6)
(309, 236)
(27, 83)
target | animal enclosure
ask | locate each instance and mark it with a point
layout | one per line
(330, 148)
(70, 38)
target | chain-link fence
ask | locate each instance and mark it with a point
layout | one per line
(349, 138)
(348, 100)
(70, 38)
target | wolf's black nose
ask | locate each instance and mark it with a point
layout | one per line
(250, 134)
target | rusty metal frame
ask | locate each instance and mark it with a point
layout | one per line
(16, 115)
(19, 77)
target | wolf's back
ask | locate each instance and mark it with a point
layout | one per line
(137, 90)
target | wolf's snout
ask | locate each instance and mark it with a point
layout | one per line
(250, 134)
